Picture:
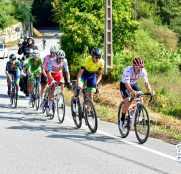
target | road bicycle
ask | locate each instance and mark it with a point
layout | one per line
(13, 93)
(58, 104)
(36, 93)
(136, 118)
(84, 109)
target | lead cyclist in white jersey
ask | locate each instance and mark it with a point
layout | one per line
(129, 85)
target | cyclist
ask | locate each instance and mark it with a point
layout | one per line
(55, 74)
(129, 85)
(91, 71)
(30, 43)
(24, 62)
(13, 68)
(46, 62)
(34, 70)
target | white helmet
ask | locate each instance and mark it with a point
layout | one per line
(60, 54)
(53, 49)
(36, 53)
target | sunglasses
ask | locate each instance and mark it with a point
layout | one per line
(97, 57)
(138, 67)
(60, 58)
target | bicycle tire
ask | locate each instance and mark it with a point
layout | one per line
(11, 98)
(37, 97)
(91, 114)
(124, 133)
(60, 106)
(15, 100)
(142, 124)
(33, 100)
(76, 112)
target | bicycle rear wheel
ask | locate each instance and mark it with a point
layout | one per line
(60, 107)
(76, 112)
(91, 116)
(124, 131)
(142, 124)
(37, 97)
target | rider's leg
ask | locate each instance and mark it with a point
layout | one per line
(43, 87)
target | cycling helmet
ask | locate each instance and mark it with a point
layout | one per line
(138, 62)
(96, 52)
(53, 49)
(36, 53)
(12, 57)
(60, 54)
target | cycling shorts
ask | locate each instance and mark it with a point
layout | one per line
(90, 78)
(124, 91)
(16, 75)
(58, 77)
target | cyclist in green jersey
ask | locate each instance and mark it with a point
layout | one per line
(34, 70)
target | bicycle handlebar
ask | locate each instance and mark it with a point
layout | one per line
(139, 94)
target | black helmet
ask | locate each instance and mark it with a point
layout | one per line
(12, 57)
(96, 52)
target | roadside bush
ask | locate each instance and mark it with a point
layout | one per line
(162, 34)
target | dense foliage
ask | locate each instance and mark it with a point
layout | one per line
(12, 10)
(83, 24)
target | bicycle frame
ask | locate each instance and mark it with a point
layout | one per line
(132, 112)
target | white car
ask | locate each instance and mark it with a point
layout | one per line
(3, 51)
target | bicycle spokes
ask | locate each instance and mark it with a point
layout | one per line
(142, 124)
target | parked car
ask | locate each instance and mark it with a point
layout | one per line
(3, 51)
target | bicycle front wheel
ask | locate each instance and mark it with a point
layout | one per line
(15, 100)
(91, 116)
(76, 112)
(37, 97)
(142, 124)
(125, 128)
(60, 107)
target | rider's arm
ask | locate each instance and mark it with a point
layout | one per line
(79, 76)
(66, 69)
(44, 66)
(148, 87)
(49, 71)
(99, 75)
(145, 78)
(7, 71)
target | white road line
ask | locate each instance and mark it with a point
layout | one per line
(132, 144)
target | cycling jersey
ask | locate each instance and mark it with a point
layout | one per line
(35, 67)
(92, 67)
(46, 62)
(12, 68)
(54, 67)
(130, 76)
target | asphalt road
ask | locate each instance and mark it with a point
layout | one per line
(30, 143)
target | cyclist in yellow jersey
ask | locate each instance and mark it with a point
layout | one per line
(91, 72)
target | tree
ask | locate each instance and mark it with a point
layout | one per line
(83, 24)
(6, 14)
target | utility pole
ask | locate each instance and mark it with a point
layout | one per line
(108, 35)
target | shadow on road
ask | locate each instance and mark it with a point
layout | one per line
(3, 77)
